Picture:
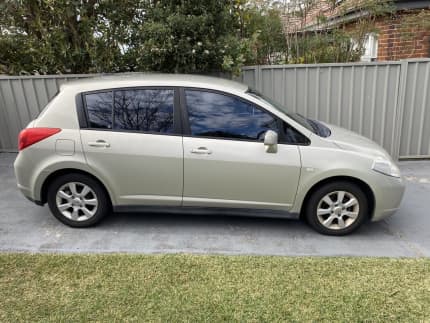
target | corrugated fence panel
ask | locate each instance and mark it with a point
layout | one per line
(360, 97)
(21, 100)
(388, 102)
(249, 76)
(415, 139)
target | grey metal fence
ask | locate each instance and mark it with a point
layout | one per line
(387, 102)
(414, 104)
(21, 100)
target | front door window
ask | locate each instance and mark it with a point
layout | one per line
(221, 116)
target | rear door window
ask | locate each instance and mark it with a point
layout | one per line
(146, 110)
(99, 110)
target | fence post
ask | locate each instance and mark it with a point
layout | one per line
(400, 107)
(2, 124)
(5, 136)
(258, 79)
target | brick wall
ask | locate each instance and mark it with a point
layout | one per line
(316, 8)
(294, 23)
(395, 41)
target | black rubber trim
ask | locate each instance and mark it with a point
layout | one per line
(37, 202)
(177, 120)
(186, 129)
(196, 210)
(82, 116)
(180, 114)
(177, 115)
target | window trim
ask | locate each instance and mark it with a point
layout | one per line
(371, 40)
(187, 128)
(180, 114)
(82, 111)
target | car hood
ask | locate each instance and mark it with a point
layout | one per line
(352, 141)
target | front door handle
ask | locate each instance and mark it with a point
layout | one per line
(99, 143)
(201, 151)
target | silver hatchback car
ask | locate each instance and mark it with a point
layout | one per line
(194, 143)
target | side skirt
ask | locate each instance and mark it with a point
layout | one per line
(263, 213)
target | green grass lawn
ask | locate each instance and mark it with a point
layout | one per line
(172, 288)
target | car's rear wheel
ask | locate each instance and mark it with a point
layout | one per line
(77, 200)
(337, 208)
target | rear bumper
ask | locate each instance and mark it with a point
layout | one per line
(25, 167)
(26, 192)
(35, 201)
(23, 176)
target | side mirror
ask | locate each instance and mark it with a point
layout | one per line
(271, 141)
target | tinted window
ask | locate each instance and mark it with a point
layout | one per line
(144, 110)
(217, 115)
(99, 109)
(292, 136)
(312, 125)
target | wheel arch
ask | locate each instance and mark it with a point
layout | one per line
(370, 195)
(64, 171)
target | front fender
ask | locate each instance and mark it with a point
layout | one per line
(334, 163)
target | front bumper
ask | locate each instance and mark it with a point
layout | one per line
(388, 196)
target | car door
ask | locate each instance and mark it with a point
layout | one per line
(133, 142)
(225, 160)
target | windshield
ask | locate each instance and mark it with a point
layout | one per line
(312, 125)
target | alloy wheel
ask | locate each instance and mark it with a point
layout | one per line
(338, 210)
(77, 201)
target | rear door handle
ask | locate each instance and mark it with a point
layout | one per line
(201, 151)
(99, 143)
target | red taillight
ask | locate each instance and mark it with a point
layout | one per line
(30, 136)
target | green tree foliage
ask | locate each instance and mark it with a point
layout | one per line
(85, 36)
(192, 36)
(48, 36)
(260, 23)
(184, 36)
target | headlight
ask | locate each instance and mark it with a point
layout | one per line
(386, 167)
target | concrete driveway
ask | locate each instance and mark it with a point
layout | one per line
(27, 227)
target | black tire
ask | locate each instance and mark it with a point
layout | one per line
(103, 207)
(312, 205)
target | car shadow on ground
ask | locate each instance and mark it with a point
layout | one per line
(26, 227)
(36, 230)
(213, 221)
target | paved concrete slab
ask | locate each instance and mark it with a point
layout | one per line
(27, 227)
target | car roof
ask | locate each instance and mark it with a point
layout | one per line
(150, 79)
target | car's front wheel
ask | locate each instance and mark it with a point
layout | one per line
(77, 200)
(337, 208)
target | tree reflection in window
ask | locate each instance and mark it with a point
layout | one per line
(148, 110)
(217, 115)
(99, 109)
